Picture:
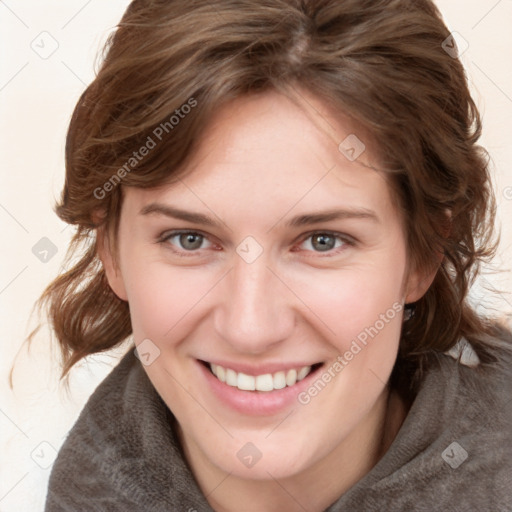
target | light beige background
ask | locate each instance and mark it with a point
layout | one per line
(37, 94)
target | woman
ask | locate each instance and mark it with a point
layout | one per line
(284, 204)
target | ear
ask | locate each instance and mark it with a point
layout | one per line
(112, 270)
(419, 281)
(418, 284)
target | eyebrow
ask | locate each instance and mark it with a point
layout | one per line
(298, 221)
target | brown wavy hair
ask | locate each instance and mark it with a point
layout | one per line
(379, 62)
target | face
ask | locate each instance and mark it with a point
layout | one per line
(279, 265)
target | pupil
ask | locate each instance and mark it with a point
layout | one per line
(190, 241)
(323, 242)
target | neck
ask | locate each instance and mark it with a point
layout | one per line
(350, 461)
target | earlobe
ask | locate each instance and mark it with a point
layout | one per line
(112, 270)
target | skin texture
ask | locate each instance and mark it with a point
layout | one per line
(262, 161)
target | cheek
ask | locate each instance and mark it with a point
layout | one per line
(351, 301)
(161, 297)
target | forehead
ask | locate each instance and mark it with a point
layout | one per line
(268, 151)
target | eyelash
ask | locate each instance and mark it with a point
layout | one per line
(167, 236)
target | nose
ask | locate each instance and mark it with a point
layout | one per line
(256, 310)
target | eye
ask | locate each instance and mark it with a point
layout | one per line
(325, 242)
(189, 241)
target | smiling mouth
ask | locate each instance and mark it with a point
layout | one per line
(266, 382)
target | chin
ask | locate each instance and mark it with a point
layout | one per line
(264, 459)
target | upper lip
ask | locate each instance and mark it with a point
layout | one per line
(262, 368)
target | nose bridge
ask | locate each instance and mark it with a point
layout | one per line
(253, 313)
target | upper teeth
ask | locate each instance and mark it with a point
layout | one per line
(266, 382)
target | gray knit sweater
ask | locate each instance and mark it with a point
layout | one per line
(452, 453)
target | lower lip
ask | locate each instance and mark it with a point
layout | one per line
(256, 403)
